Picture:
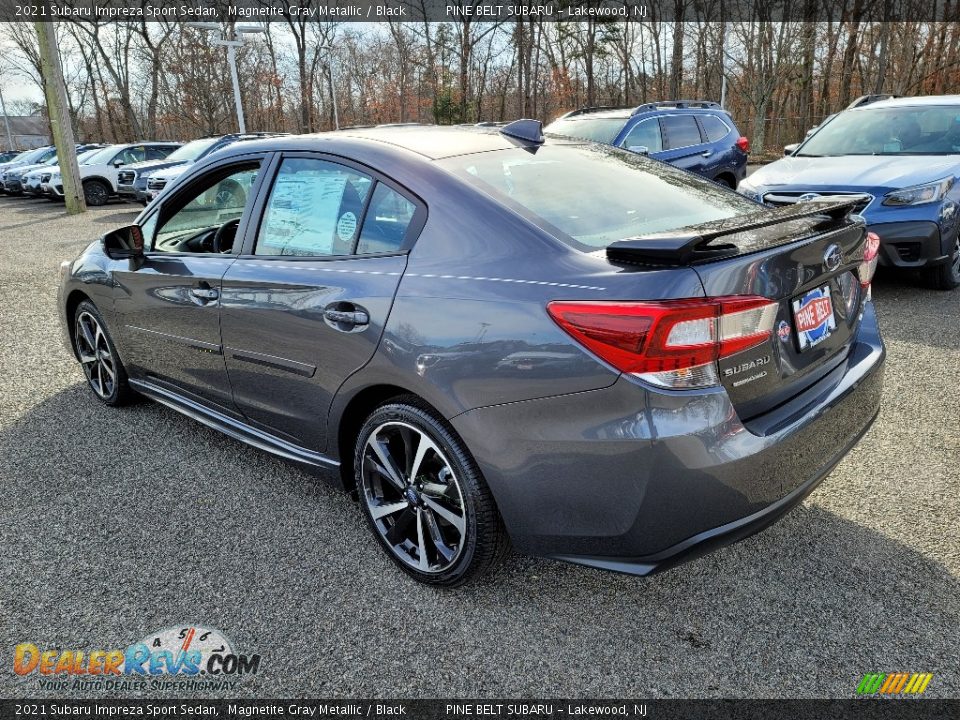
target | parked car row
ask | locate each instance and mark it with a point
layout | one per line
(121, 170)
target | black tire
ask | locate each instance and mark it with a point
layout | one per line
(724, 181)
(96, 353)
(483, 545)
(96, 192)
(947, 275)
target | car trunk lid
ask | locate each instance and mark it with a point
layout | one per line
(804, 258)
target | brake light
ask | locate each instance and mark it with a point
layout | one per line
(673, 343)
(871, 255)
(743, 144)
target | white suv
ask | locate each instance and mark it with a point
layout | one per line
(99, 172)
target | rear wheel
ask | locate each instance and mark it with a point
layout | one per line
(424, 498)
(95, 192)
(725, 181)
(98, 356)
(947, 275)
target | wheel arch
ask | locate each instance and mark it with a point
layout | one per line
(101, 179)
(355, 413)
(70, 309)
(727, 177)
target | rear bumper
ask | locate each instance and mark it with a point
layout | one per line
(912, 244)
(630, 479)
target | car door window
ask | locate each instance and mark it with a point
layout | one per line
(315, 209)
(130, 155)
(194, 220)
(386, 223)
(714, 128)
(680, 131)
(645, 134)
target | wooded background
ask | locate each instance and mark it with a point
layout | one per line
(163, 80)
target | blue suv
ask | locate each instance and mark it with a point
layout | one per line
(904, 154)
(694, 135)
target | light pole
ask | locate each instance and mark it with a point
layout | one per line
(6, 121)
(231, 40)
(333, 95)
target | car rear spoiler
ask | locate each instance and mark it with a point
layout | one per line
(686, 246)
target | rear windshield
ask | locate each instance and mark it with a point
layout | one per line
(602, 130)
(906, 130)
(592, 195)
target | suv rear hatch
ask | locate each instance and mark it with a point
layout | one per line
(805, 258)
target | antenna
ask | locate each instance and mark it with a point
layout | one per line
(530, 131)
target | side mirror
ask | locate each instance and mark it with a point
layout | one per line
(127, 242)
(639, 149)
(790, 149)
(812, 130)
(118, 163)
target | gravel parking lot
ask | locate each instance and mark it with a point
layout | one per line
(116, 523)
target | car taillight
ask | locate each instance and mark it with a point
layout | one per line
(743, 144)
(673, 343)
(871, 255)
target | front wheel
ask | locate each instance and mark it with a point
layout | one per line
(98, 356)
(947, 275)
(95, 193)
(424, 498)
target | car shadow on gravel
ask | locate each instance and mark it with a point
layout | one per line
(147, 519)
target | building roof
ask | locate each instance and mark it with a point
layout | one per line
(26, 125)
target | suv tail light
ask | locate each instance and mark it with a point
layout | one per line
(871, 255)
(672, 344)
(743, 144)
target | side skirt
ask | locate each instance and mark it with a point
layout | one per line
(234, 428)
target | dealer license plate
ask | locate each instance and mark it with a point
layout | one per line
(813, 317)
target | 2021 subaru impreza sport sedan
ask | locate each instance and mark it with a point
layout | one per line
(496, 338)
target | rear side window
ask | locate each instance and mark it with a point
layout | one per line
(645, 134)
(680, 131)
(315, 209)
(386, 222)
(159, 152)
(714, 128)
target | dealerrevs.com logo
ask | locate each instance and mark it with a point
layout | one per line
(180, 658)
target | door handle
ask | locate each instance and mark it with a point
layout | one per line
(706, 153)
(205, 294)
(347, 317)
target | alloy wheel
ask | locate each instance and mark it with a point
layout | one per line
(95, 355)
(95, 194)
(955, 260)
(414, 498)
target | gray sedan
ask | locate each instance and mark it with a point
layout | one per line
(491, 338)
